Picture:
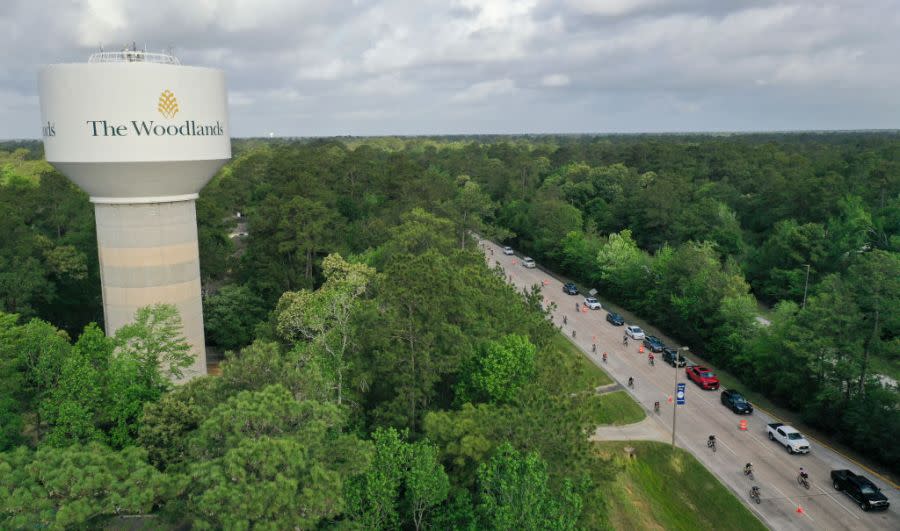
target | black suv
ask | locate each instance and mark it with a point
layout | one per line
(863, 491)
(570, 289)
(615, 319)
(654, 344)
(673, 357)
(736, 402)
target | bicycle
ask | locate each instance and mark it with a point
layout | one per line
(754, 494)
(604, 357)
(565, 320)
(573, 334)
(651, 361)
(748, 472)
(594, 348)
(631, 382)
(625, 341)
(711, 443)
(803, 481)
(656, 407)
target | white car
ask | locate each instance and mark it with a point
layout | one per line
(529, 262)
(634, 332)
(592, 303)
(508, 251)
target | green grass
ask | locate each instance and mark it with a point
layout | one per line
(581, 374)
(616, 408)
(665, 489)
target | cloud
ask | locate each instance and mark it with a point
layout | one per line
(318, 68)
(555, 80)
(484, 90)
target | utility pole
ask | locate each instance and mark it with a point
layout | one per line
(675, 396)
(805, 286)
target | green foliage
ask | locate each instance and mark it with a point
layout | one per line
(154, 341)
(514, 493)
(62, 488)
(404, 482)
(497, 371)
(230, 316)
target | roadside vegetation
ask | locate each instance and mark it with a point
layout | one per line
(662, 488)
(398, 380)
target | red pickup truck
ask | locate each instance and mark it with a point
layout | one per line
(702, 376)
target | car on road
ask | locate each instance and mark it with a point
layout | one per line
(570, 288)
(673, 357)
(528, 262)
(634, 332)
(791, 438)
(702, 376)
(860, 489)
(508, 251)
(615, 319)
(592, 303)
(736, 402)
(654, 343)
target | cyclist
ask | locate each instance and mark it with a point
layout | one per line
(754, 493)
(577, 307)
(604, 357)
(656, 406)
(651, 358)
(625, 340)
(573, 334)
(594, 348)
(565, 320)
(803, 473)
(711, 442)
(748, 469)
(631, 382)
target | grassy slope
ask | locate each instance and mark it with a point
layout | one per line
(660, 489)
(582, 374)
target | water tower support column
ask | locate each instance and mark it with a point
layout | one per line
(148, 255)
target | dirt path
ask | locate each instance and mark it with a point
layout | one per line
(648, 429)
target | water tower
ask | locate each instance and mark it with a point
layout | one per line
(141, 134)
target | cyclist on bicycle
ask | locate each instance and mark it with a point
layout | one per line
(656, 406)
(711, 441)
(630, 381)
(604, 357)
(577, 307)
(748, 469)
(803, 473)
(625, 340)
(651, 358)
(594, 347)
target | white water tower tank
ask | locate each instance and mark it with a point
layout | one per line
(141, 134)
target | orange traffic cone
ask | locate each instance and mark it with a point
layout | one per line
(799, 510)
(515, 262)
(743, 424)
(584, 309)
(546, 282)
(641, 348)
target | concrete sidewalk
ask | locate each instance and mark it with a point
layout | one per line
(648, 429)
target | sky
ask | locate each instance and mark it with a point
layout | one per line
(390, 67)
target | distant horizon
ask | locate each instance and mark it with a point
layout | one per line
(463, 135)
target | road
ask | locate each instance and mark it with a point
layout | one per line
(785, 505)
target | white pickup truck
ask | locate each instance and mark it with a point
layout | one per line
(792, 440)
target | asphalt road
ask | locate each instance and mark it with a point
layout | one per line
(785, 504)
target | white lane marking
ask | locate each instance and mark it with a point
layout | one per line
(837, 502)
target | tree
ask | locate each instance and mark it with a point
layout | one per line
(263, 459)
(514, 494)
(469, 209)
(230, 315)
(155, 341)
(324, 317)
(403, 478)
(497, 372)
(64, 488)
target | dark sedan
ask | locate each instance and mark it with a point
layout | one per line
(570, 289)
(615, 319)
(654, 343)
(736, 402)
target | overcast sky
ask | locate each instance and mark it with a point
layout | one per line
(332, 67)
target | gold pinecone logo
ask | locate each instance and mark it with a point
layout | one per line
(168, 105)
